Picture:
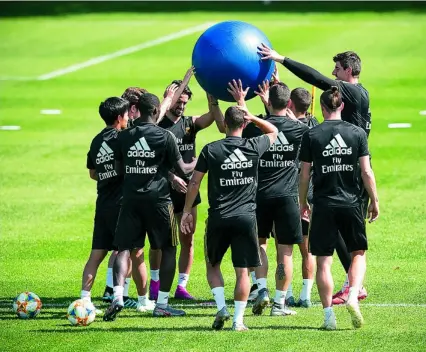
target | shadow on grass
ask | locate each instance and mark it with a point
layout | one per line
(171, 329)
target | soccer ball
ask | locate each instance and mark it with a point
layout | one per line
(81, 312)
(27, 305)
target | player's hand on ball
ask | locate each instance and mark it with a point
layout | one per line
(267, 53)
(373, 211)
(189, 74)
(187, 223)
(179, 185)
(237, 92)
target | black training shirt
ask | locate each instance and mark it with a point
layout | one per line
(334, 148)
(101, 158)
(232, 165)
(146, 153)
(354, 96)
(185, 132)
(278, 166)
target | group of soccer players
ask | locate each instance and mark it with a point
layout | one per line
(280, 174)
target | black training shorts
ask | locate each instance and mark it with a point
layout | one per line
(138, 218)
(237, 231)
(105, 223)
(178, 200)
(327, 222)
(281, 216)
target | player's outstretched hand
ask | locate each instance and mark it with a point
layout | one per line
(187, 224)
(263, 92)
(267, 53)
(237, 91)
(373, 211)
(179, 184)
(188, 75)
(275, 76)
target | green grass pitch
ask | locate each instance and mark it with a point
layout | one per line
(47, 199)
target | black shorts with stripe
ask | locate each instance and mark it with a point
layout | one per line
(327, 222)
(238, 232)
(105, 223)
(137, 219)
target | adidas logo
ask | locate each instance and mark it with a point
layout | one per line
(236, 160)
(337, 146)
(105, 154)
(141, 149)
(281, 144)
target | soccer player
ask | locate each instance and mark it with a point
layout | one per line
(232, 183)
(100, 162)
(300, 100)
(132, 95)
(347, 69)
(146, 153)
(185, 129)
(336, 148)
(277, 198)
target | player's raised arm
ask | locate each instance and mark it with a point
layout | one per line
(304, 72)
(237, 92)
(173, 92)
(214, 115)
(266, 127)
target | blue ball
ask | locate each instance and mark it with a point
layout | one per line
(227, 51)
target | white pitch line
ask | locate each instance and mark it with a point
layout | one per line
(126, 51)
(6, 304)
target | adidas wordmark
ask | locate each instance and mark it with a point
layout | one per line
(337, 146)
(236, 160)
(141, 149)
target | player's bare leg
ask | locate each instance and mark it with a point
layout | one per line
(308, 267)
(120, 271)
(89, 273)
(241, 293)
(325, 289)
(283, 277)
(108, 292)
(186, 258)
(167, 274)
(154, 265)
(216, 283)
(356, 276)
(140, 277)
(262, 299)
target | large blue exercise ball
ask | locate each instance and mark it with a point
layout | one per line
(227, 51)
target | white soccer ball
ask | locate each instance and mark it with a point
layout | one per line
(81, 312)
(27, 305)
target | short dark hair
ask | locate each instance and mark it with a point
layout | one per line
(301, 99)
(132, 94)
(186, 91)
(349, 59)
(147, 104)
(112, 108)
(234, 118)
(331, 99)
(279, 96)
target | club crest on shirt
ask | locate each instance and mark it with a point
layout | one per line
(188, 130)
